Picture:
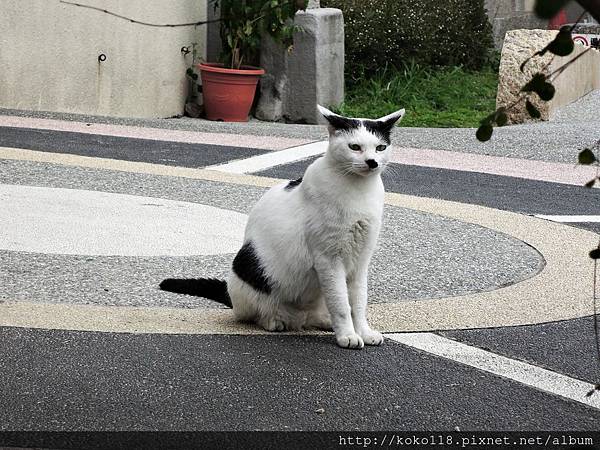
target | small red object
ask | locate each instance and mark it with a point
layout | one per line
(558, 20)
(228, 93)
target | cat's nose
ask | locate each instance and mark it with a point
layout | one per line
(371, 163)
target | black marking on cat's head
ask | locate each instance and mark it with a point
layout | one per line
(340, 123)
(337, 122)
(292, 184)
(248, 267)
(382, 127)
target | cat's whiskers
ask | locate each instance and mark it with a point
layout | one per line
(393, 170)
(346, 168)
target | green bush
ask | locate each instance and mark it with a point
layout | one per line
(428, 32)
(441, 97)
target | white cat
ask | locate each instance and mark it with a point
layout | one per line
(308, 242)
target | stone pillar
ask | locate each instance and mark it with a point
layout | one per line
(311, 72)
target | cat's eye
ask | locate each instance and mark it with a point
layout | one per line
(354, 147)
(380, 148)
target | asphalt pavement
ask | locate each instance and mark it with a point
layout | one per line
(89, 343)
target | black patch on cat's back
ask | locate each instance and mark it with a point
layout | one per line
(247, 266)
(382, 130)
(292, 184)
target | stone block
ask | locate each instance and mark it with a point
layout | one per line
(518, 46)
(577, 80)
(310, 72)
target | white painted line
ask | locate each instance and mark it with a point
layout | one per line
(570, 219)
(267, 160)
(518, 371)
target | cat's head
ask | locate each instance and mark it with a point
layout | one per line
(360, 146)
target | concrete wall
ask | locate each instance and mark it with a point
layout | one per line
(49, 56)
(508, 15)
(579, 79)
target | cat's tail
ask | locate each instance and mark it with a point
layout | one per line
(210, 288)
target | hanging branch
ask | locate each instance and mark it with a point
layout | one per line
(562, 68)
(591, 6)
(541, 83)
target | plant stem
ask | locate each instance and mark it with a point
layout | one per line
(592, 6)
(562, 68)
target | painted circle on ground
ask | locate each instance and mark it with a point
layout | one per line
(560, 291)
(82, 222)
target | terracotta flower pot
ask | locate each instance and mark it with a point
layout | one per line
(228, 93)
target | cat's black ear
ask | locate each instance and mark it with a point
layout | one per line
(336, 122)
(383, 126)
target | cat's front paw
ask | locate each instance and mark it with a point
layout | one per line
(371, 337)
(273, 325)
(350, 341)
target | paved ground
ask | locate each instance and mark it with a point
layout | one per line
(487, 308)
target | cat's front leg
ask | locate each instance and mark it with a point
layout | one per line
(332, 279)
(357, 292)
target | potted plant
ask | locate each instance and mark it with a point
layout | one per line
(228, 88)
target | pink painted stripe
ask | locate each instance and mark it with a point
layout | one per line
(158, 134)
(496, 165)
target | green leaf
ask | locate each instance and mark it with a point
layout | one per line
(535, 84)
(484, 132)
(489, 120)
(547, 91)
(547, 9)
(594, 390)
(595, 254)
(586, 156)
(194, 76)
(562, 45)
(189, 71)
(590, 184)
(501, 117)
(532, 110)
